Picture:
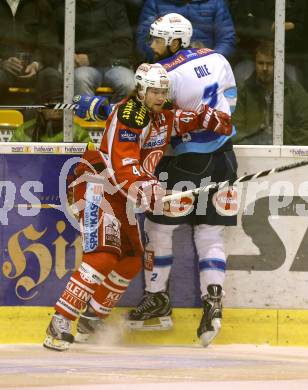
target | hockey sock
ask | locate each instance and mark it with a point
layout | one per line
(209, 242)
(78, 291)
(84, 282)
(114, 285)
(158, 256)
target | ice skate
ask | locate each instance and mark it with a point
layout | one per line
(88, 325)
(210, 323)
(59, 336)
(152, 313)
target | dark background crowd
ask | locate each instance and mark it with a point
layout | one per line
(111, 39)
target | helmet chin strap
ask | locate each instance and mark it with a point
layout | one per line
(140, 99)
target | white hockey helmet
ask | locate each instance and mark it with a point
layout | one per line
(172, 26)
(151, 75)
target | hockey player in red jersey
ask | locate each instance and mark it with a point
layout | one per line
(137, 133)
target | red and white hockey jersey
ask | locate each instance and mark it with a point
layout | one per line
(135, 139)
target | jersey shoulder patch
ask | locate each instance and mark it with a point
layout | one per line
(133, 114)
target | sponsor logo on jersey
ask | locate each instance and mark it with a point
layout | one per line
(127, 136)
(177, 61)
(133, 114)
(155, 142)
(161, 129)
(111, 299)
(117, 279)
(128, 108)
(94, 193)
(151, 161)
(148, 260)
(129, 161)
(225, 201)
(203, 51)
(191, 54)
(158, 138)
(93, 239)
(185, 56)
(78, 292)
(140, 115)
(88, 276)
(112, 235)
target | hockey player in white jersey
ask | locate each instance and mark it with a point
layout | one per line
(198, 76)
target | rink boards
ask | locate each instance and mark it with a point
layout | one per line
(266, 282)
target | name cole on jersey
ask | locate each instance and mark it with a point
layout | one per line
(200, 76)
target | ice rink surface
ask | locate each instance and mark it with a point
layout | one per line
(109, 367)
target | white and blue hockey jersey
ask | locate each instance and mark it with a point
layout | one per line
(200, 76)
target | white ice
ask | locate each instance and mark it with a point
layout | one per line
(92, 367)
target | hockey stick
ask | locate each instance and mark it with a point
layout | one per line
(52, 106)
(241, 179)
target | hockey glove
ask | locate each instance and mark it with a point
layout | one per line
(92, 108)
(216, 121)
(149, 197)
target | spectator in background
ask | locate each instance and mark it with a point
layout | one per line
(28, 48)
(211, 21)
(103, 46)
(254, 22)
(133, 8)
(253, 116)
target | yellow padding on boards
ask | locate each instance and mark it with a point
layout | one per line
(11, 118)
(87, 124)
(240, 326)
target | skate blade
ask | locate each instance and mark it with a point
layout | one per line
(207, 337)
(158, 323)
(55, 344)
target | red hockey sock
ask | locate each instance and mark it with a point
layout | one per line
(114, 285)
(75, 296)
(84, 282)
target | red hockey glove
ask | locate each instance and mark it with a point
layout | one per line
(150, 197)
(216, 121)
